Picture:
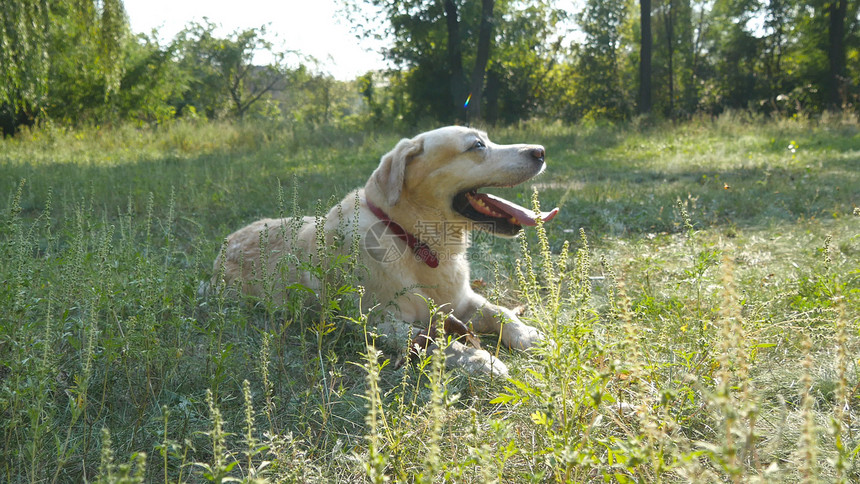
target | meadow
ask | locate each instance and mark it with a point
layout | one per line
(700, 290)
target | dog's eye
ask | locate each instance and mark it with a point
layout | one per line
(479, 145)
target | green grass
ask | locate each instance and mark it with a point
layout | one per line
(704, 321)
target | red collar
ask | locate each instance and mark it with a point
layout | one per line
(422, 250)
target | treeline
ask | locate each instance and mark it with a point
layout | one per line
(668, 58)
(77, 62)
(500, 61)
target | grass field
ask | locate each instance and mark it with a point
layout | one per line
(701, 286)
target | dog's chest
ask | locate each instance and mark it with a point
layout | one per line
(413, 287)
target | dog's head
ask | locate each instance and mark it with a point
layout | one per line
(438, 174)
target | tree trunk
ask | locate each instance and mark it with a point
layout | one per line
(483, 56)
(670, 45)
(455, 58)
(645, 47)
(837, 11)
(493, 83)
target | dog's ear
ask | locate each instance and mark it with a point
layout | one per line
(390, 174)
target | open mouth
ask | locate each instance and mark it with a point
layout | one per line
(497, 215)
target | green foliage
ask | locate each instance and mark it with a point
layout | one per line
(220, 74)
(76, 63)
(59, 57)
(597, 74)
(150, 83)
(769, 57)
(23, 57)
(523, 52)
(522, 78)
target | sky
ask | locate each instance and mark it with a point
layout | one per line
(311, 27)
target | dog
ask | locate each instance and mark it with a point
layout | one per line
(413, 220)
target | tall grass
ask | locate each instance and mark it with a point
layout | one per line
(700, 293)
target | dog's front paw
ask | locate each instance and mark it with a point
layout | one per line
(474, 361)
(483, 362)
(520, 336)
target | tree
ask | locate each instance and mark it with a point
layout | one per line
(54, 52)
(525, 75)
(436, 43)
(777, 22)
(481, 59)
(426, 45)
(151, 81)
(645, 47)
(735, 82)
(676, 57)
(669, 25)
(837, 81)
(454, 50)
(23, 60)
(457, 81)
(221, 72)
(87, 55)
(598, 78)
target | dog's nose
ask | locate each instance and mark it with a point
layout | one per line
(539, 153)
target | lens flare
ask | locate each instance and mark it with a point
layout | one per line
(466, 104)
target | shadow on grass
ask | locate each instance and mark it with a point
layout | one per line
(608, 197)
(612, 180)
(217, 192)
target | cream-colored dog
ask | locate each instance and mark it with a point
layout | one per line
(413, 219)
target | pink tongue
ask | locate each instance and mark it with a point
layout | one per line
(522, 215)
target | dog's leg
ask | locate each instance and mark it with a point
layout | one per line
(473, 360)
(397, 339)
(490, 318)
